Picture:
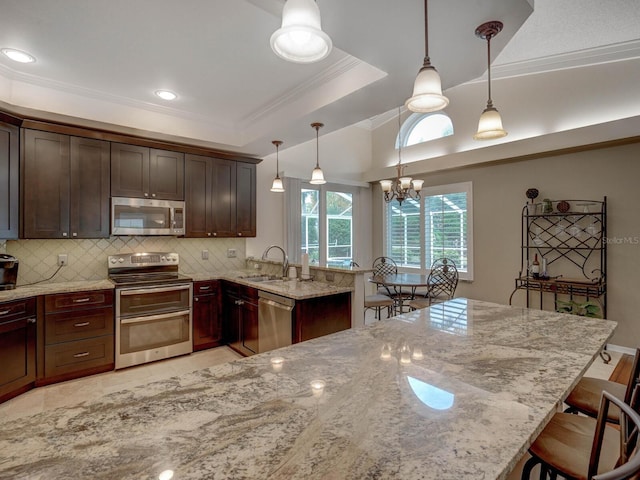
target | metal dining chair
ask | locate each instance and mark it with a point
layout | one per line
(442, 283)
(583, 448)
(585, 397)
(384, 266)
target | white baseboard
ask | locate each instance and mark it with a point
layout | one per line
(619, 349)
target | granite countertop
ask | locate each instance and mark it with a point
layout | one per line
(456, 391)
(293, 289)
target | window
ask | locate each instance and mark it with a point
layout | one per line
(326, 224)
(438, 225)
(422, 127)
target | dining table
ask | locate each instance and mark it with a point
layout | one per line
(456, 391)
(401, 287)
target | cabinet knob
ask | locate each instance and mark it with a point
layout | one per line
(153, 195)
(208, 234)
(239, 234)
(146, 194)
(64, 234)
(74, 234)
(196, 299)
(215, 234)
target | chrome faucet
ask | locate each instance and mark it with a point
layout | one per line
(285, 258)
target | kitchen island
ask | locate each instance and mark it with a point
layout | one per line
(456, 391)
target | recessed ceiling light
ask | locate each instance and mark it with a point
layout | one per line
(18, 55)
(166, 94)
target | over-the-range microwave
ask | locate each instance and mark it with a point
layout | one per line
(142, 216)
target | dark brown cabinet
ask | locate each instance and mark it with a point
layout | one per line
(315, 317)
(207, 324)
(142, 172)
(17, 347)
(241, 318)
(78, 335)
(9, 181)
(65, 186)
(220, 197)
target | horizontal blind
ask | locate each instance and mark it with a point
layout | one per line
(446, 228)
(403, 233)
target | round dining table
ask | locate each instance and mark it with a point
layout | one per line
(401, 287)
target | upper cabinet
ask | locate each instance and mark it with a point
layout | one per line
(9, 181)
(220, 197)
(65, 183)
(142, 172)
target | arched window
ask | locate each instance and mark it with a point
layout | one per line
(422, 127)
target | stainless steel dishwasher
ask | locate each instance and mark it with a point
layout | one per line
(274, 321)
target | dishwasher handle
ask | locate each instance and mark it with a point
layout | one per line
(278, 300)
(278, 305)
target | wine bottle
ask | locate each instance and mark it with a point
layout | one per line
(535, 267)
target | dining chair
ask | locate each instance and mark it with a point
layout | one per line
(583, 448)
(442, 283)
(585, 397)
(378, 302)
(384, 266)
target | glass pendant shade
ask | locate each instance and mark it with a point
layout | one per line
(317, 177)
(427, 92)
(417, 185)
(301, 39)
(386, 185)
(490, 125)
(277, 185)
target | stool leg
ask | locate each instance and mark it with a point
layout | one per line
(528, 466)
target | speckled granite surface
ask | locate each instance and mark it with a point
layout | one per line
(47, 288)
(457, 391)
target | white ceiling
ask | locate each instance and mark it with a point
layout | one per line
(102, 60)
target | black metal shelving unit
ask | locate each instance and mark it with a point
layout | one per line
(573, 243)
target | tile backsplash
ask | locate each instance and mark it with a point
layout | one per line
(88, 258)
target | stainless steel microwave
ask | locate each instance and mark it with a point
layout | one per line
(142, 216)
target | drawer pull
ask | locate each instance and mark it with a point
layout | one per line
(31, 320)
(81, 300)
(205, 288)
(83, 324)
(4, 312)
(80, 355)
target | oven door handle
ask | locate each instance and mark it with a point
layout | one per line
(139, 291)
(151, 318)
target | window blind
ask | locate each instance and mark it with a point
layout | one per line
(446, 228)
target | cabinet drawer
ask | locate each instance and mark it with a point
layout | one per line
(206, 287)
(69, 357)
(17, 308)
(71, 301)
(64, 327)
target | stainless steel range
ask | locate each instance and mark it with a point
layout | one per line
(153, 307)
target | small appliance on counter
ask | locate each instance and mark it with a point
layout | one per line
(8, 271)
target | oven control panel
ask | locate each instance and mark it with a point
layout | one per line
(144, 259)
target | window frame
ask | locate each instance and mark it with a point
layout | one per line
(466, 187)
(412, 122)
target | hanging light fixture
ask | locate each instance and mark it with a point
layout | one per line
(427, 89)
(400, 188)
(317, 177)
(301, 39)
(490, 124)
(277, 185)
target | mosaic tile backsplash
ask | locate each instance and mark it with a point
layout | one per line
(88, 258)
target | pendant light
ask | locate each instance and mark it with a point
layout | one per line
(301, 39)
(317, 177)
(427, 89)
(490, 124)
(277, 185)
(400, 188)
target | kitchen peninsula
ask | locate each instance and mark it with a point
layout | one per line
(456, 391)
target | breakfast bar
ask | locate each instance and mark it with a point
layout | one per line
(455, 391)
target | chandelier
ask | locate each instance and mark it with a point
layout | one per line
(401, 187)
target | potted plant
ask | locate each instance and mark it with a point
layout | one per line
(588, 308)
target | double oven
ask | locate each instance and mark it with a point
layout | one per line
(153, 307)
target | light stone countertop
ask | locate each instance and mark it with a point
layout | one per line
(54, 287)
(456, 391)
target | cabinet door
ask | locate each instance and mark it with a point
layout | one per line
(224, 198)
(9, 181)
(129, 171)
(207, 328)
(232, 321)
(246, 199)
(250, 327)
(17, 353)
(315, 317)
(198, 175)
(90, 187)
(45, 185)
(166, 174)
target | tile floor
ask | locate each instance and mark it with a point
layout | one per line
(90, 388)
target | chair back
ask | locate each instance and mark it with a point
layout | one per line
(628, 466)
(634, 378)
(442, 280)
(384, 266)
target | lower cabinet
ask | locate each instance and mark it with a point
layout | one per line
(315, 317)
(207, 322)
(17, 347)
(78, 335)
(241, 318)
